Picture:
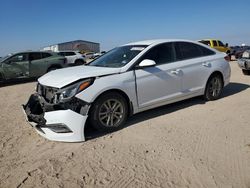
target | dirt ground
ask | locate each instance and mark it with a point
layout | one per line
(187, 144)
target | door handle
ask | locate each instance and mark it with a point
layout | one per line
(206, 64)
(176, 71)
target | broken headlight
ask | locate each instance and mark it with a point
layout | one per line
(72, 90)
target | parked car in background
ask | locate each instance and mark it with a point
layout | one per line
(89, 55)
(126, 80)
(96, 55)
(29, 64)
(244, 62)
(73, 58)
(238, 51)
(216, 44)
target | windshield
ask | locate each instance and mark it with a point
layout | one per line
(4, 58)
(118, 57)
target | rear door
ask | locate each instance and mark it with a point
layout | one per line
(195, 64)
(70, 57)
(38, 64)
(159, 83)
(215, 45)
(16, 66)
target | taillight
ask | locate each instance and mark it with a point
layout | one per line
(227, 58)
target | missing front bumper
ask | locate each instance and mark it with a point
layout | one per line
(58, 125)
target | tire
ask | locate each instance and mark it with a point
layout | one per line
(79, 62)
(109, 112)
(214, 87)
(246, 72)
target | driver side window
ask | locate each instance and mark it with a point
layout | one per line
(161, 54)
(18, 58)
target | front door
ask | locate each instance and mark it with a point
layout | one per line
(162, 82)
(16, 66)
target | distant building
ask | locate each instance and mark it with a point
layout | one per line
(77, 45)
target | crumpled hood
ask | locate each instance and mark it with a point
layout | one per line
(62, 77)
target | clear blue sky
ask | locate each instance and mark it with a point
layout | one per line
(32, 24)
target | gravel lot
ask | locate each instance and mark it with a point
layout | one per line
(187, 144)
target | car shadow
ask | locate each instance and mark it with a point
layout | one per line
(231, 89)
(17, 81)
(234, 88)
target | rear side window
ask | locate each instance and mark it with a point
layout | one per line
(45, 55)
(35, 56)
(205, 51)
(220, 43)
(161, 54)
(215, 43)
(187, 50)
(61, 53)
(69, 53)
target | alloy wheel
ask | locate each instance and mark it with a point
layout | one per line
(215, 87)
(111, 113)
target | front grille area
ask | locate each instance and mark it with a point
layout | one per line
(48, 93)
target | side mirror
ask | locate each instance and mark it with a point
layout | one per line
(147, 63)
(226, 44)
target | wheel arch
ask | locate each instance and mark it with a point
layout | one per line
(78, 59)
(216, 73)
(82, 61)
(123, 94)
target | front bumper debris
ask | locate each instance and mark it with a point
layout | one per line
(54, 122)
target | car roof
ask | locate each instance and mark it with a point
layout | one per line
(157, 41)
(207, 39)
(33, 52)
(52, 53)
(68, 51)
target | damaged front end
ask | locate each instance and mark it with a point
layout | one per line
(56, 120)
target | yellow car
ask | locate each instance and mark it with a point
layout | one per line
(217, 44)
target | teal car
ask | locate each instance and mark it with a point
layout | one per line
(29, 65)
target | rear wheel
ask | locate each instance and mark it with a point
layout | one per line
(214, 87)
(246, 72)
(109, 112)
(79, 62)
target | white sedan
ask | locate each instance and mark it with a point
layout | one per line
(128, 79)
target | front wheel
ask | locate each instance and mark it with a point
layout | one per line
(109, 112)
(214, 87)
(79, 62)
